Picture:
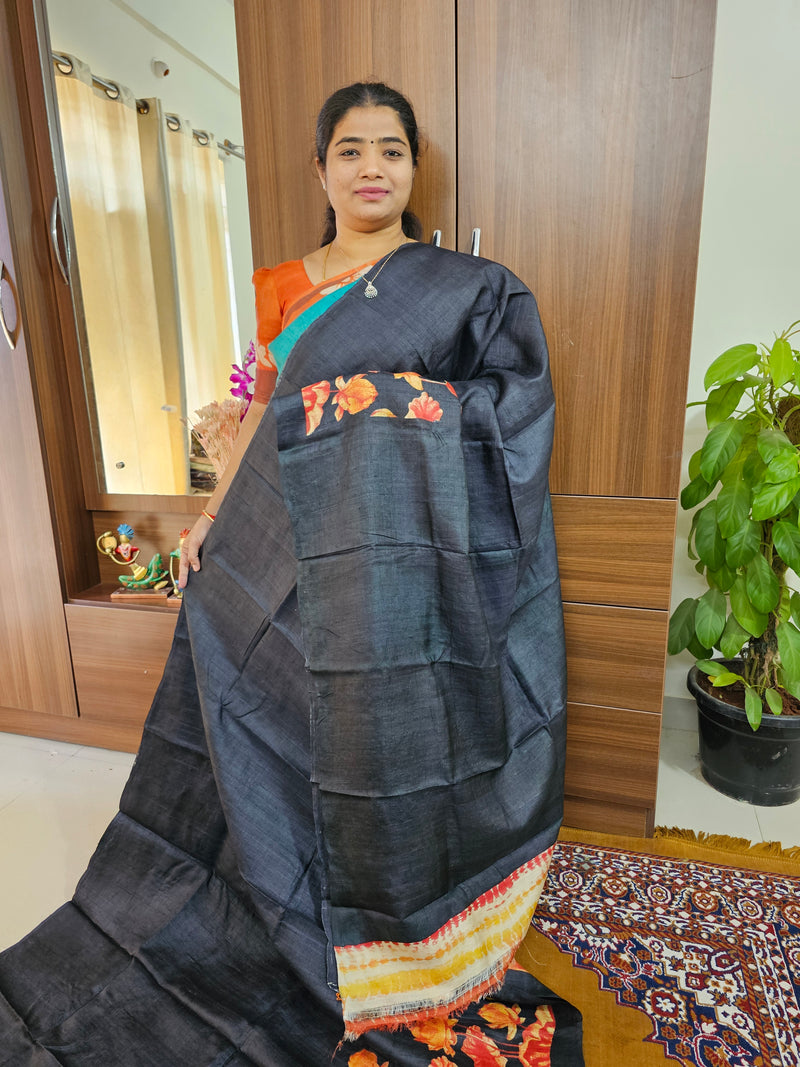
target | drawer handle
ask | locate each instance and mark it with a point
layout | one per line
(54, 239)
(10, 339)
(436, 239)
(475, 247)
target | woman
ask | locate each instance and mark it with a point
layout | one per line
(349, 784)
(367, 148)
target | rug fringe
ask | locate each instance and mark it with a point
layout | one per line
(724, 843)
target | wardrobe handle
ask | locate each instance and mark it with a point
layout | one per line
(437, 238)
(54, 239)
(12, 344)
(475, 247)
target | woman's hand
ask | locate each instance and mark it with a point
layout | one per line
(190, 549)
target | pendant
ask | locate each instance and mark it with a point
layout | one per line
(370, 291)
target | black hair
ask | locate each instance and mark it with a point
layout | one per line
(366, 94)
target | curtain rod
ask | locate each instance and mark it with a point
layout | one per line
(112, 90)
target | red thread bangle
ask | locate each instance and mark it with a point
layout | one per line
(208, 514)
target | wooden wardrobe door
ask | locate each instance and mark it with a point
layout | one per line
(35, 668)
(292, 55)
(581, 156)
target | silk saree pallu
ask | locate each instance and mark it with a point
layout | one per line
(350, 782)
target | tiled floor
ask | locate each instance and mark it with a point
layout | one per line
(56, 799)
(686, 800)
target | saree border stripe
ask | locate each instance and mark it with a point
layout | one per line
(386, 984)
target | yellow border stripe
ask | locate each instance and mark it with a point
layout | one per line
(382, 979)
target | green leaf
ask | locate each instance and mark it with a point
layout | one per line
(723, 401)
(709, 619)
(786, 539)
(781, 362)
(726, 678)
(698, 650)
(707, 539)
(774, 700)
(762, 585)
(795, 602)
(694, 464)
(681, 626)
(719, 448)
(770, 500)
(753, 706)
(743, 544)
(771, 442)
(753, 469)
(733, 506)
(733, 639)
(713, 668)
(721, 579)
(695, 492)
(789, 650)
(783, 467)
(784, 611)
(733, 362)
(754, 621)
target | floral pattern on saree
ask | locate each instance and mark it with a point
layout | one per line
(350, 396)
(466, 1041)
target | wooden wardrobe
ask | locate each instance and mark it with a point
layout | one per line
(572, 134)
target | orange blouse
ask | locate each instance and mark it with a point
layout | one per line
(282, 293)
(277, 288)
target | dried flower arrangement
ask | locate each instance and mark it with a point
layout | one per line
(217, 428)
(217, 424)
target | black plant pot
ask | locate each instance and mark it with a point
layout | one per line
(760, 767)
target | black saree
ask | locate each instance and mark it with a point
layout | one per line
(351, 779)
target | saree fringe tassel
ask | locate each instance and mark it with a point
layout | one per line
(724, 843)
(386, 984)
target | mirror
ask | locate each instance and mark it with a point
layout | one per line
(147, 132)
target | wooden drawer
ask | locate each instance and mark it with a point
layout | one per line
(615, 550)
(118, 658)
(612, 754)
(615, 656)
(581, 813)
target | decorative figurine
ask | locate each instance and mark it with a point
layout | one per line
(174, 560)
(121, 550)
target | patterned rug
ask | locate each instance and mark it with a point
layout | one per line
(709, 952)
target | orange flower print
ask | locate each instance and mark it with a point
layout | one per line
(441, 1061)
(314, 400)
(501, 1017)
(537, 1039)
(481, 1049)
(363, 1058)
(424, 407)
(452, 390)
(437, 1034)
(413, 380)
(382, 413)
(354, 395)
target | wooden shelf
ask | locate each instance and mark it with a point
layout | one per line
(101, 595)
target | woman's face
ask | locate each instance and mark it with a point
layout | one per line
(368, 171)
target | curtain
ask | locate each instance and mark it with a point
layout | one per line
(150, 237)
(133, 406)
(199, 230)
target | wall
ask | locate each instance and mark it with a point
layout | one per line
(197, 39)
(748, 284)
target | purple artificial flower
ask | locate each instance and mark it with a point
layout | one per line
(243, 382)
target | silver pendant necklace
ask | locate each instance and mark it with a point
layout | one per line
(370, 292)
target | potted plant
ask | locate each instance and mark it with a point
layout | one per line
(745, 539)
